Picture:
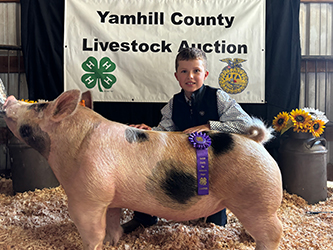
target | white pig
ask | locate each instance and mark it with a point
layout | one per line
(104, 166)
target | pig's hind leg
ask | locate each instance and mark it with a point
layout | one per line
(265, 228)
(90, 220)
(113, 229)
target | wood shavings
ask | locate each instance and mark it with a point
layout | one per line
(40, 220)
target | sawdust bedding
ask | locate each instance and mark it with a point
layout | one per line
(40, 220)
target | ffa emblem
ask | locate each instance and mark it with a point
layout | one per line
(233, 79)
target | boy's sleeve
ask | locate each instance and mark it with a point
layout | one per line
(166, 123)
(233, 118)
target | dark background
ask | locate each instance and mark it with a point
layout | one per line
(42, 44)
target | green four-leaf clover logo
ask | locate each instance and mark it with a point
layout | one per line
(98, 74)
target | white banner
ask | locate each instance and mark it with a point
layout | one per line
(125, 50)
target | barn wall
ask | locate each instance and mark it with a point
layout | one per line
(316, 35)
(11, 60)
(11, 63)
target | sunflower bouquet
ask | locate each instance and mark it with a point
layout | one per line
(28, 101)
(82, 102)
(306, 120)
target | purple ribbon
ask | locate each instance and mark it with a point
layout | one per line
(201, 142)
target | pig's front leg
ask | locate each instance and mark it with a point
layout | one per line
(90, 220)
(113, 228)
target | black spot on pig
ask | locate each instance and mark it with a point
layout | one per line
(38, 106)
(136, 135)
(36, 138)
(179, 186)
(25, 131)
(221, 142)
(173, 184)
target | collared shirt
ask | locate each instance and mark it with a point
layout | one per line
(233, 118)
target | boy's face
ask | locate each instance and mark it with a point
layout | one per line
(191, 75)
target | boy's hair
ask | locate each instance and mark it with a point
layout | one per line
(188, 54)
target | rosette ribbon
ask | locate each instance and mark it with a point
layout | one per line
(201, 142)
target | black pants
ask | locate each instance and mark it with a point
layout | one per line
(219, 219)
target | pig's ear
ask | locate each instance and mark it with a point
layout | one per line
(65, 105)
(87, 98)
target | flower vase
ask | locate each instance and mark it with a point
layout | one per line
(303, 160)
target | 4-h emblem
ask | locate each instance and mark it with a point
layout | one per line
(98, 73)
(233, 79)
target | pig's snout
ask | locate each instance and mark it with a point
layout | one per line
(11, 99)
(6, 107)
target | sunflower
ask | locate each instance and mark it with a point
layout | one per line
(301, 120)
(280, 121)
(28, 101)
(317, 127)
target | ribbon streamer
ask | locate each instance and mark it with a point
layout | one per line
(201, 142)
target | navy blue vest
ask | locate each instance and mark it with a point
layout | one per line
(203, 108)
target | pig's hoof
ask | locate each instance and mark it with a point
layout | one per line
(113, 239)
(130, 226)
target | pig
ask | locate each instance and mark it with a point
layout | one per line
(105, 166)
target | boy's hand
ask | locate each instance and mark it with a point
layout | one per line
(140, 126)
(200, 128)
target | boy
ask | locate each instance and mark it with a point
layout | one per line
(196, 108)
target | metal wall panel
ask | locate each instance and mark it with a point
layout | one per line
(10, 16)
(10, 36)
(316, 28)
(316, 35)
